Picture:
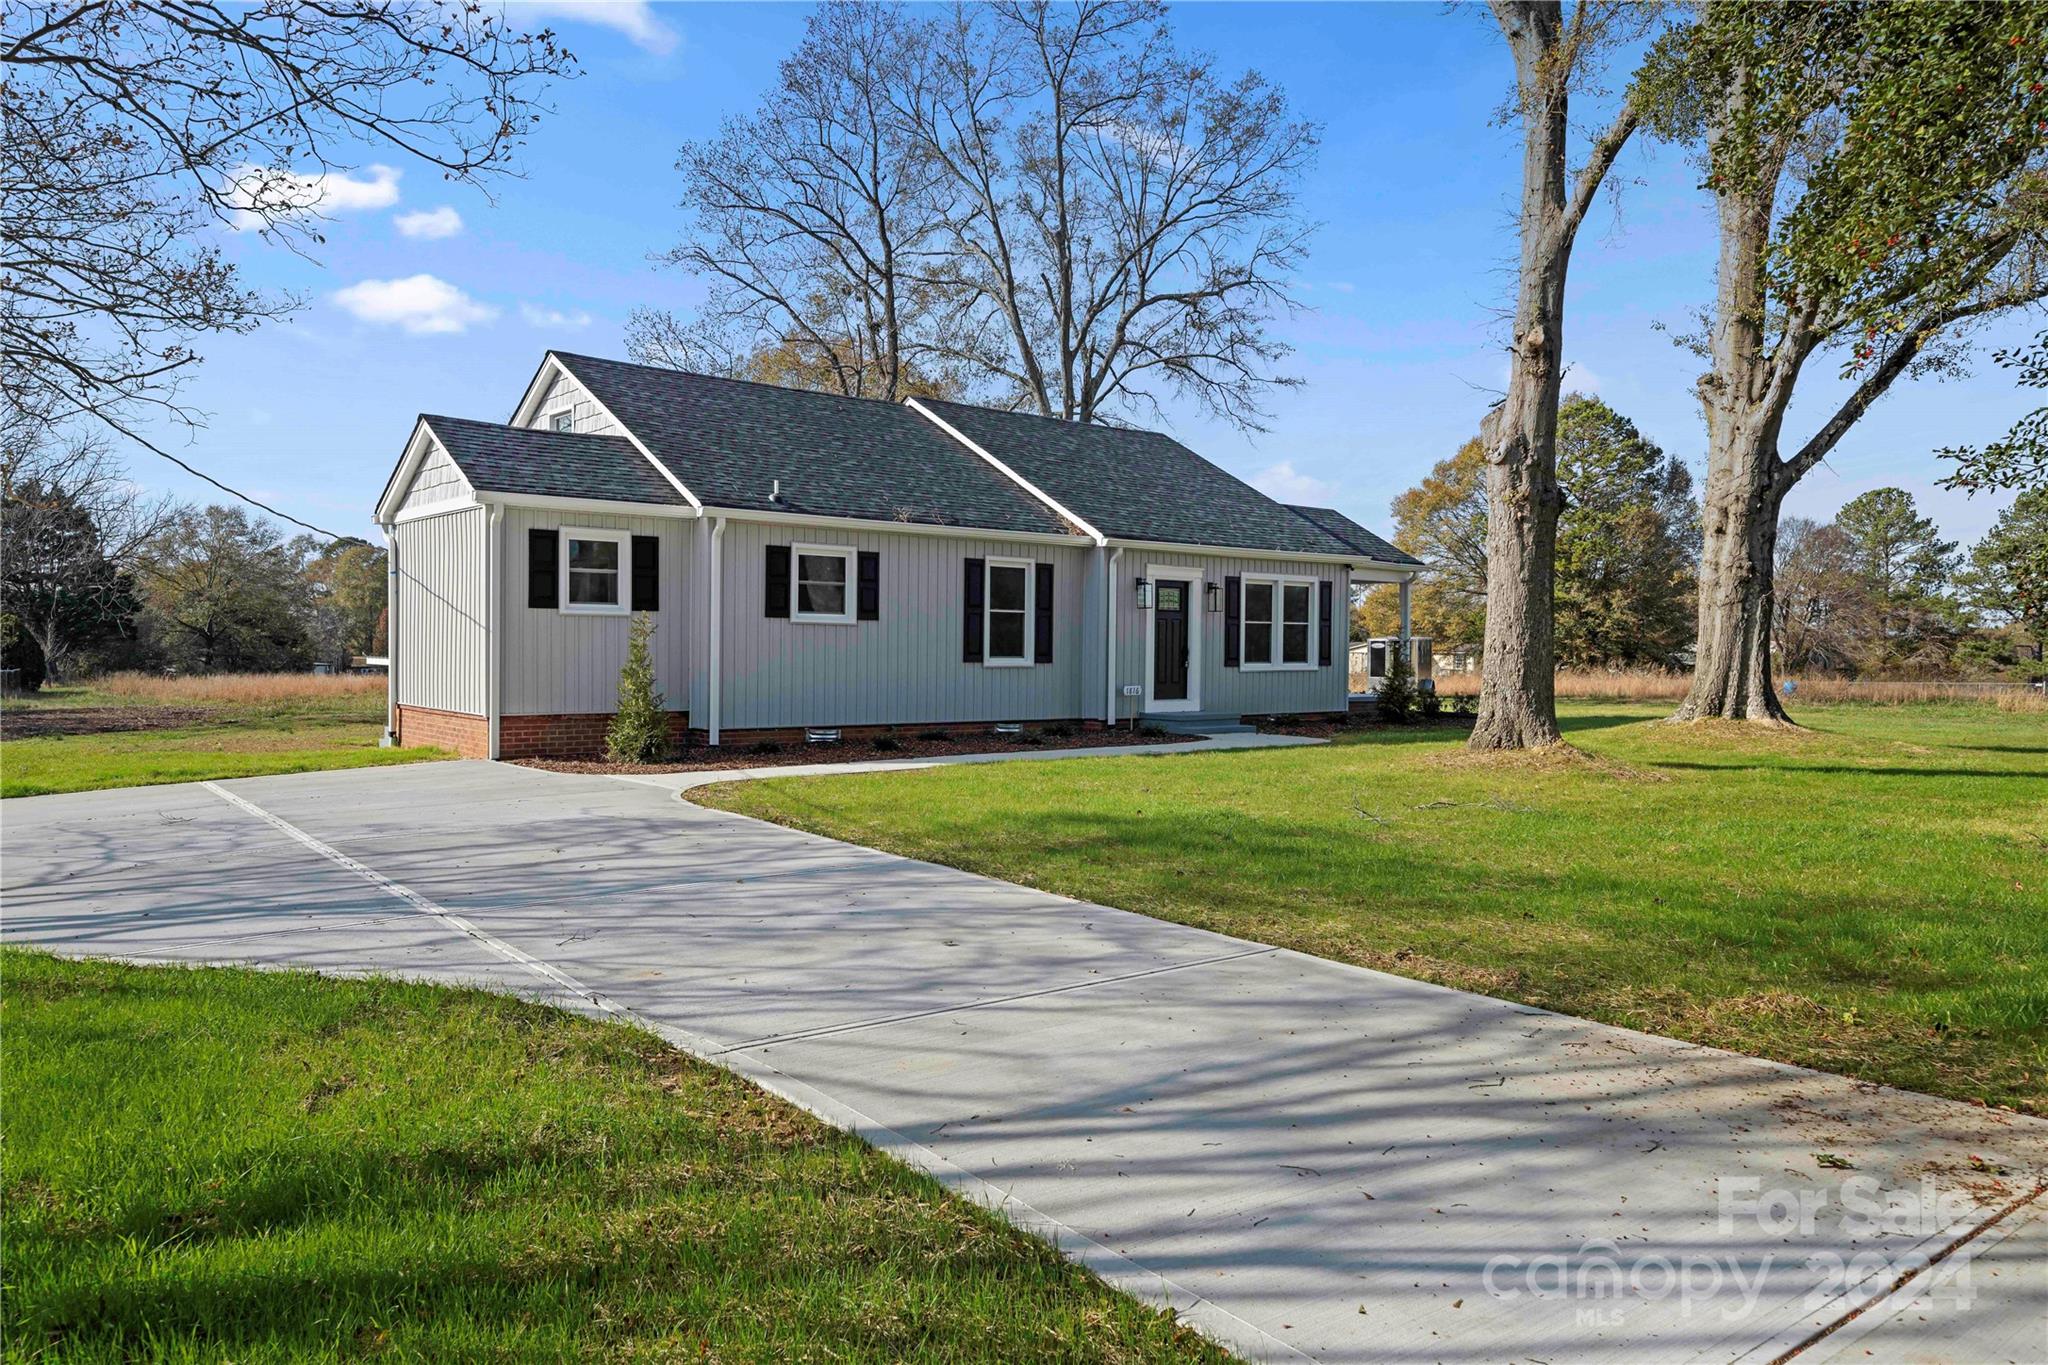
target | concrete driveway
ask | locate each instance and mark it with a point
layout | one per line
(1308, 1159)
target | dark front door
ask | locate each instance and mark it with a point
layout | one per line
(1170, 640)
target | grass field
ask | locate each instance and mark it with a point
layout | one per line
(1869, 896)
(253, 1167)
(132, 730)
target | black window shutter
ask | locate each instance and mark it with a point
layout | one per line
(1041, 604)
(970, 613)
(646, 573)
(543, 569)
(1325, 591)
(1233, 613)
(777, 603)
(870, 583)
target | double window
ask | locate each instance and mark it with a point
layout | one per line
(1279, 622)
(596, 571)
(1010, 595)
(821, 584)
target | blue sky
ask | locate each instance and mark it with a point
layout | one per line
(1400, 349)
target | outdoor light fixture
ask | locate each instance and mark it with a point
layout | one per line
(1144, 594)
(1212, 597)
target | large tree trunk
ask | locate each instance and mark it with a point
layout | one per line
(1745, 395)
(1517, 690)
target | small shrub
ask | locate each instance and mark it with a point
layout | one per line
(1151, 731)
(639, 729)
(1058, 732)
(764, 746)
(934, 736)
(885, 744)
(1397, 691)
(1430, 705)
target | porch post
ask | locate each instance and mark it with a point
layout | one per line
(1407, 651)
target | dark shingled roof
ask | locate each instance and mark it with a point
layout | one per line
(501, 459)
(1138, 485)
(1350, 532)
(728, 440)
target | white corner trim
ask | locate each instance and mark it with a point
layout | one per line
(536, 390)
(1029, 487)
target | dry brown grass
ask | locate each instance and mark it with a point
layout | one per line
(239, 689)
(1590, 684)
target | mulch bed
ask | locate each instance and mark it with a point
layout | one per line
(101, 720)
(1320, 727)
(858, 751)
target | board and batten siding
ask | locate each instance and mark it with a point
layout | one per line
(560, 663)
(437, 480)
(440, 611)
(585, 416)
(906, 667)
(1238, 691)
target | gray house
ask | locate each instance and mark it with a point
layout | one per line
(817, 561)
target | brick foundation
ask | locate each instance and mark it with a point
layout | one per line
(423, 726)
(794, 735)
(574, 736)
(577, 736)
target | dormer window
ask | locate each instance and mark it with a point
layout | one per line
(561, 421)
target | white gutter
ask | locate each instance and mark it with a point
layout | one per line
(716, 616)
(390, 637)
(1112, 713)
(494, 611)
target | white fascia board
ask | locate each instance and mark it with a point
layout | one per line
(416, 448)
(911, 527)
(536, 389)
(1012, 475)
(557, 504)
(1236, 552)
(443, 508)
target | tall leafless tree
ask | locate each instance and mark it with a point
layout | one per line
(815, 224)
(133, 131)
(1555, 55)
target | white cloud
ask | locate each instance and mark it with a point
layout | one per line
(421, 304)
(429, 223)
(1343, 286)
(538, 316)
(634, 18)
(1288, 484)
(262, 193)
(1578, 379)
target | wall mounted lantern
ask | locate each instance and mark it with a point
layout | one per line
(1212, 597)
(1144, 594)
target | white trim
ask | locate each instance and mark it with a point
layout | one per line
(551, 503)
(1192, 604)
(1280, 583)
(494, 631)
(417, 445)
(435, 509)
(391, 586)
(529, 404)
(1112, 697)
(1240, 552)
(846, 554)
(713, 695)
(988, 608)
(624, 540)
(858, 524)
(1029, 487)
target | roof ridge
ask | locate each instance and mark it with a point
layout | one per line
(732, 379)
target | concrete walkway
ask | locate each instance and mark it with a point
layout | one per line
(1309, 1159)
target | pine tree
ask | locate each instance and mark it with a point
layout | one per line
(1397, 692)
(639, 730)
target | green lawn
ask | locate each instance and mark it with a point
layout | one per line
(246, 1166)
(230, 740)
(1869, 897)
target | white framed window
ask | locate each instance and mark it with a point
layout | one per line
(1279, 625)
(563, 420)
(1008, 599)
(597, 571)
(821, 587)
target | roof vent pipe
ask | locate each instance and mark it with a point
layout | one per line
(775, 491)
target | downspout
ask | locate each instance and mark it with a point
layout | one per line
(1110, 713)
(390, 738)
(716, 618)
(493, 613)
